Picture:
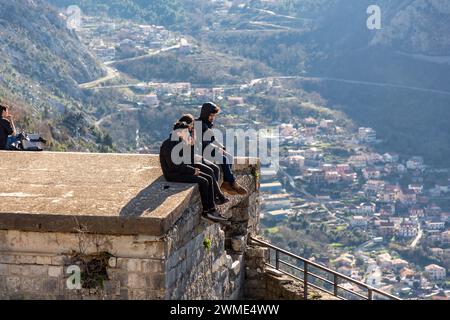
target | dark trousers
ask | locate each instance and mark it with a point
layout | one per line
(206, 186)
(214, 167)
(213, 171)
(227, 165)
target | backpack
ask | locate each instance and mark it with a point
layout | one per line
(26, 142)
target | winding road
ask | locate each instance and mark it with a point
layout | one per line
(417, 239)
(111, 73)
(367, 83)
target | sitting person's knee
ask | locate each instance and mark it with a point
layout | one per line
(205, 182)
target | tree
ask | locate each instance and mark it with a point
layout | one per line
(107, 140)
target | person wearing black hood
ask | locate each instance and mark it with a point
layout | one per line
(7, 127)
(187, 173)
(204, 165)
(207, 116)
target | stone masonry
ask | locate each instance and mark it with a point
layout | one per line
(132, 234)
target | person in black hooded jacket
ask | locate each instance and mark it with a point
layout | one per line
(7, 127)
(207, 116)
(187, 172)
(204, 165)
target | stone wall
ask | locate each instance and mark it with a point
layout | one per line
(194, 259)
(195, 272)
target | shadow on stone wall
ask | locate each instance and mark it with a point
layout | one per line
(153, 196)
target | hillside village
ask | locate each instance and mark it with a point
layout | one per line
(392, 201)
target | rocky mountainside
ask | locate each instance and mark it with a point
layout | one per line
(418, 26)
(167, 12)
(41, 64)
(408, 61)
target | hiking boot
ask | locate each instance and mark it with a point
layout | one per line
(239, 189)
(228, 188)
(215, 216)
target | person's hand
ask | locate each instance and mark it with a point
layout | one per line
(197, 172)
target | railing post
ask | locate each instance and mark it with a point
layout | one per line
(335, 284)
(277, 260)
(305, 279)
(370, 294)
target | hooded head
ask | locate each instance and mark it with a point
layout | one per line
(208, 109)
(4, 110)
(181, 129)
(188, 118)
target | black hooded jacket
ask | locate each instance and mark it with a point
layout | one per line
(169, 168)
(6, 129)
(207, 110)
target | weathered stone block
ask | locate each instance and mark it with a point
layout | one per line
(58, 260)
(45, 260)
(4, 270)
(136, 281)
(156, 294)
(3, 287)
(25, 259)
(51, 286)
(112, 288)
(156, 281)
(134, 265)
(37, 270)
(31, 285)
(152, 266)
(55, 272)
(7, 258)
(118, 275)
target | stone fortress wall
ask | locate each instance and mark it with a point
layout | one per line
(131, 234)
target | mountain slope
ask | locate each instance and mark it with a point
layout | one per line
(410, 52)
(167, 12)
(41, 64)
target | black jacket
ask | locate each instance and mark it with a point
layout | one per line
(6, 129)
(169, 168)
(207, 109)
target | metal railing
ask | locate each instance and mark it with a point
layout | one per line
(329, 281)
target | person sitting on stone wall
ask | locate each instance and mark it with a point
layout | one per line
(7, 127)
(177, 167)
(204, 165)
(208, 115)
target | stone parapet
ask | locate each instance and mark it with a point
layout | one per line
(132, 234)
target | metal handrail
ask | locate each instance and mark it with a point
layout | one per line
(306, 272)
